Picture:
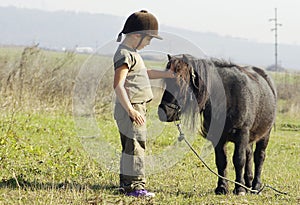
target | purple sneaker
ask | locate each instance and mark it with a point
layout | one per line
(141, 193)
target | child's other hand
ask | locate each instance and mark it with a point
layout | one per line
(136, 116)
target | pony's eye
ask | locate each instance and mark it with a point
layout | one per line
(177, 68)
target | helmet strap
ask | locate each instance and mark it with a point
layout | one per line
(141, 40)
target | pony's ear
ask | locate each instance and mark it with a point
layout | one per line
(169, 57)
(186, 58)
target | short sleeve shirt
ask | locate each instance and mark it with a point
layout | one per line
(137, 83)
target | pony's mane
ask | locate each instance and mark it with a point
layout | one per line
(221, 63)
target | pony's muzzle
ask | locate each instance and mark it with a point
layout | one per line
(168, 112)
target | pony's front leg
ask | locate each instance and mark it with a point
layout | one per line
(221, 162)
(241, 140)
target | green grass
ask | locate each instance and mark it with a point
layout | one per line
(43, 161)
(291, 78)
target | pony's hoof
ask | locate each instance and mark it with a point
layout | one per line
(221, 190)
(240, 191)
(257, 186)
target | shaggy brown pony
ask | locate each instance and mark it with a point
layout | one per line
(238, 104)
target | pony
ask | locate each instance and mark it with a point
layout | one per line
(237, 104)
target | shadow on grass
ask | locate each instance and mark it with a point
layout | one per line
(20, 183)
(186, 194)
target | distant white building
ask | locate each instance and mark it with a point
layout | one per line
(84, 50)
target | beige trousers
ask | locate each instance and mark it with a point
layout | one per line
(133, 140)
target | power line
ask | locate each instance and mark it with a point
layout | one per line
(276, 37)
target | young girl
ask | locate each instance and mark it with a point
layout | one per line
(133, 91)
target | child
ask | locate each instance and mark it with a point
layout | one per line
(133, 91)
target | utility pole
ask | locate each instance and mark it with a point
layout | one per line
(276, 36)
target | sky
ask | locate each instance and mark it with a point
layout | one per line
(235, 18)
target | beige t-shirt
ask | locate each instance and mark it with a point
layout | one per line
(137, 83)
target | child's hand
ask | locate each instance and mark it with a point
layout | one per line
(136, 116)
(171, 74)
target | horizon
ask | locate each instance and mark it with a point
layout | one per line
(38, 27)
(223, 18)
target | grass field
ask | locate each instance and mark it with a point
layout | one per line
(44, 162)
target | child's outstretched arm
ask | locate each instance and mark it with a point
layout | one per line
(155, 74)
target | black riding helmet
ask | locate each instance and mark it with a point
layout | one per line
(141, 22)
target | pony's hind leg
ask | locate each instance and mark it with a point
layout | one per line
(239, 159)
(259, 158)
(248, 175)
